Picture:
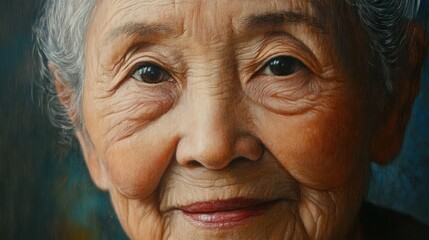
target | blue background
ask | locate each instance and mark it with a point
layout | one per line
(46, 192)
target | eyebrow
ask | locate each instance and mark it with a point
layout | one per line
(279, 19)
(139, 29)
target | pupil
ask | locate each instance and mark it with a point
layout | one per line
(283, 66)
(151, 74)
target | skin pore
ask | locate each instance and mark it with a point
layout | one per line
(195, 101)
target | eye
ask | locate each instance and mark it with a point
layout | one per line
(151, 73)
(282, 66)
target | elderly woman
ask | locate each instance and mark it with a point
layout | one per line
(244, 119)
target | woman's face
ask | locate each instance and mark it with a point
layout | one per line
(223, 119)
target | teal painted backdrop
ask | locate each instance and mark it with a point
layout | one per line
(46, 192)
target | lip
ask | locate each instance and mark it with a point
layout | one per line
(221, 214)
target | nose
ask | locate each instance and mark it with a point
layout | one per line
(216, 135)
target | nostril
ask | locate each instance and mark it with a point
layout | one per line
(194, 164)
(239, 160)
(218, 152)
(236, 161)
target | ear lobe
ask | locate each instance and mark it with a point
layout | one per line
(389, 136)
(95, 167)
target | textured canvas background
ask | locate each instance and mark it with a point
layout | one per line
(45, 190)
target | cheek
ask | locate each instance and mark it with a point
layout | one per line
(133, 136)
(136, 166)
(320, 148)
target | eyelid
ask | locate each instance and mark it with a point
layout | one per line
(160, 56)
(299, 50)
(278, 44)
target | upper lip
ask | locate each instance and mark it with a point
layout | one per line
(223, 205)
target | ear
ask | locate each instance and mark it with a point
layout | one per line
(95, 166)
(390, 134)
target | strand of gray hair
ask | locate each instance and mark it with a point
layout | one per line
(59, 38)
(386, 24)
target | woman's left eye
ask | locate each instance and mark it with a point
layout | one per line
(282, 66)
(151, 73)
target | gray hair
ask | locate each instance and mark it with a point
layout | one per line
(386, 24)
(60, 33)
(61, 29)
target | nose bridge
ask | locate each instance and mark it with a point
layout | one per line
(213, 88)
(213, 134)
(213, 70)
(213, 116)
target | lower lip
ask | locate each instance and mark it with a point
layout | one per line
(228, 218)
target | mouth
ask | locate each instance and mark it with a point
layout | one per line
(221, 214)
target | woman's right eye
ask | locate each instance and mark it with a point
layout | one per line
(151, 73)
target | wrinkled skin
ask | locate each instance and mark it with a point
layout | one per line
(220, 124)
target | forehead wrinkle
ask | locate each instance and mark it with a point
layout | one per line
(139, 29)
(120, 10)
(208, 23)
(272, 19)
(280, 13)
